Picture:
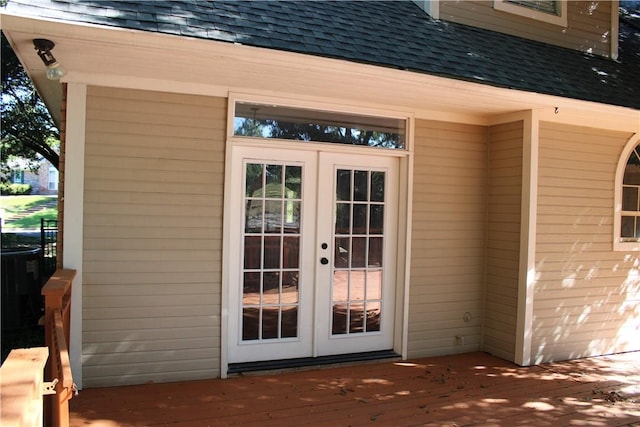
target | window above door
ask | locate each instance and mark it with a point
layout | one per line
(270, 121)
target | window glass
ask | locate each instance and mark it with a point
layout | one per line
(272, 121)
(630, 219)
(551, 12)
(550, 7)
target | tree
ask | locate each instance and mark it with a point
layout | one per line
(27, 129)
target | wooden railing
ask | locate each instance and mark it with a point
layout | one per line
(57, 305)
(22, 385)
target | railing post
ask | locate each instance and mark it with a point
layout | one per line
(57, 302)
(21, 387)
(57, 296)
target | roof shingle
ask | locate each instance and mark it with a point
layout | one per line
(394, 34)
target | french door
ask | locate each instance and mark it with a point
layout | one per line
(312, 251)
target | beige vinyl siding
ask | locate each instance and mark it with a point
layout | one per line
(152, 236)
(503, 239)
(447, 254)
(586, 296)
(588, 24)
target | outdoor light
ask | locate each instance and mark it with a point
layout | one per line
(54, 70)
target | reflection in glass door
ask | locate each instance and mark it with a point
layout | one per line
(356, 300)
(312, 254)
(271, 271)
(355, 290)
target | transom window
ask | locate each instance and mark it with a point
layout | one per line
(301, 124)
(630, 216)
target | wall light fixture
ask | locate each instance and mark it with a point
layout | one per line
(44, 47)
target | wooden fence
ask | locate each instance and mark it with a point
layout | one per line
(22, 382)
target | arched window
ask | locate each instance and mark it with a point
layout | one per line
(627, 215)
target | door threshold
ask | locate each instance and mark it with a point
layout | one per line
(309, 362)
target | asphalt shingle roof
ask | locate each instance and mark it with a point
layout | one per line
(395, 34)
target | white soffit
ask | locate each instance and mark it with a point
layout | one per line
(118, 57)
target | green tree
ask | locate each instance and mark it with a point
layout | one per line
(27, 129)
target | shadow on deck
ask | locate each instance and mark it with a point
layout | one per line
(462, 390)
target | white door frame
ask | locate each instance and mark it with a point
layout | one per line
(231, 251)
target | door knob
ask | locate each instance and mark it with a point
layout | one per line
(324, 261)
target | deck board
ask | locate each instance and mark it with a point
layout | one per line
(474, 389)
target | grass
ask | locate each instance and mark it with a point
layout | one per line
(14, 205)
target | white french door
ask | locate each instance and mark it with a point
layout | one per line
(312, 253)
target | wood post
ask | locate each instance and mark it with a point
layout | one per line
(57, 303)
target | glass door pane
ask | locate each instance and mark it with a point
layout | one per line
(271, 240)
(356, 295)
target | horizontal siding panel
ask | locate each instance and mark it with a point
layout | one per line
(135, 266)
(149, 200)
(116, 338)
(458, 284)
(550, 202)
(140, 165)
(143, 279)
(157, 303)
(151, 176)
(150, 323)
(152, 235)
(164, 114)
(167, 310)
(441, 297)
(151, 254)
(500, 335)
(156, 288)
(448, 235)
(99, 130)
(139, 209)
(503, 238)
(443, 346)
(578, 315)
(152, 221)
(453, 332)
(184, 232)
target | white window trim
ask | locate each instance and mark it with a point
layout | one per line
(528, 12)
(617, 214)
(234, 97)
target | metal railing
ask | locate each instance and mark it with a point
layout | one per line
(48, 243)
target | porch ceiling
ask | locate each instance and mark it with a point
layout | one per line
(135, 59)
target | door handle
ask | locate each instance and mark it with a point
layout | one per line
(324, 261)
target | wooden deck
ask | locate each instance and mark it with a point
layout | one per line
(473, 389)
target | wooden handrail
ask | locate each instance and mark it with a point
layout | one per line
(57, 303)
(21, 387)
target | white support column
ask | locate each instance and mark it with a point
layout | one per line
(528, 220)
(73, 213)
